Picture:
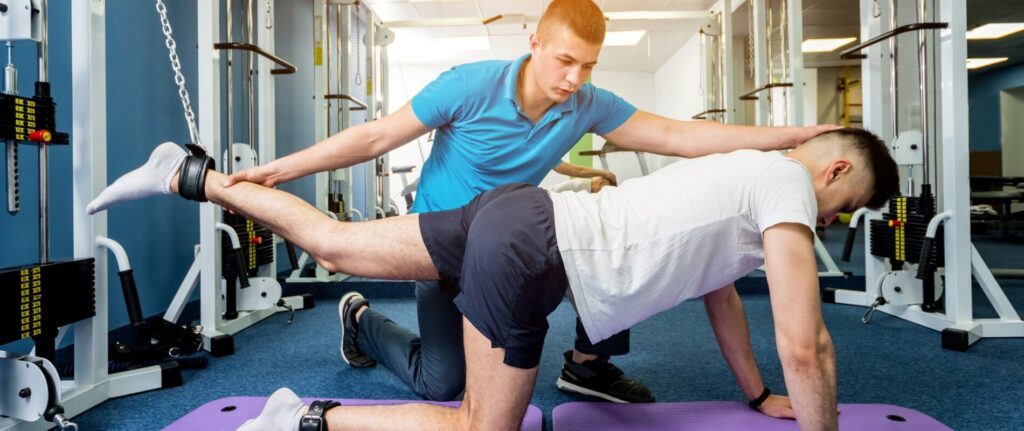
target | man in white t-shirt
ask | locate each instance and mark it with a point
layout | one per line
(622, 255)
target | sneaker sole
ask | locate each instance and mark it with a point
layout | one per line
(341, 317)
(565, 386)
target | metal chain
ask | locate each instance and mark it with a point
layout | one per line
(179, 79)
(359, 40)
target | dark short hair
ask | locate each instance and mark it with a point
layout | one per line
(880, 162)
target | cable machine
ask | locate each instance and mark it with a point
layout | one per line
(913, 269)
(239, 288)
(716, 65)
(349, 77)
(55, 297)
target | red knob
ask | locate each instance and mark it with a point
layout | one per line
(256, 240)
(40, 136)
(895, 223)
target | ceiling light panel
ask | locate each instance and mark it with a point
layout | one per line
(825, 45)
(995, 30)
(978, 63)
(623, 38)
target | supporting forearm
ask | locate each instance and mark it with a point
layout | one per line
(729, 321)
(811, 382)
(575, 171)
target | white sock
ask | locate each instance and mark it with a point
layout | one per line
(152, 178)
(283, 412)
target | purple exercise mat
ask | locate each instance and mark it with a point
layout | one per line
(726, 416)
(213, 417)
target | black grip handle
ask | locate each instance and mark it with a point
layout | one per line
(131, 297)
(243, 276)
(851, 234)
(925, 267)
(293, 258)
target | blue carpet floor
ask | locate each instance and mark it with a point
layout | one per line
(888, 361)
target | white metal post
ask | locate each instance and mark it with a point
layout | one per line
(321, 109)
(370, 53)
(266, 107)
(209, 128)
(795, 36)
(760, 62)
(89, 154)
(726, 39)
(955, 187)
(875, 82)
(344, 175)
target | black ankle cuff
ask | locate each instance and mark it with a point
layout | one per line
(192, 176)
(314, 419)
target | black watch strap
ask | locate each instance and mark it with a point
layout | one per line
(756, 402)
(314, 420)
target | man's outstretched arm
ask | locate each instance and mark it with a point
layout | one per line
(729, 321)
(656, 134)
(346, 148)
(805, 348)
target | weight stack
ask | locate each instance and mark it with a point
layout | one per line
(899, 235)
(37, 299)
(257, 246)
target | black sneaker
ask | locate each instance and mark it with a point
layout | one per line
(601, 379)
(350, 353)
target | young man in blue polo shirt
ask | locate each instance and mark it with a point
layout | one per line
(499, 122)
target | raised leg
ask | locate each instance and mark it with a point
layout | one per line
(391, 248)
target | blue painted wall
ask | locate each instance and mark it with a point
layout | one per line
(983, 96)
(143, 110)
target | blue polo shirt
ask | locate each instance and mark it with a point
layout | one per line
(483, 138)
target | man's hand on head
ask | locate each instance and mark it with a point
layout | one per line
(598, 183)
(805, 134)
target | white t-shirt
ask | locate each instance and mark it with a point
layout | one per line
(688, 229)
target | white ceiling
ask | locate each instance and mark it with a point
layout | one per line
(822, 18)
(420, 46)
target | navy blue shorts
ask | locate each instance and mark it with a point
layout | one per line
(501, 250)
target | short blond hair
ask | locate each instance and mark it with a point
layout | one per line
(582, 17)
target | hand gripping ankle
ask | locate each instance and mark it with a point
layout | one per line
(314, 419)
(192, 176)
